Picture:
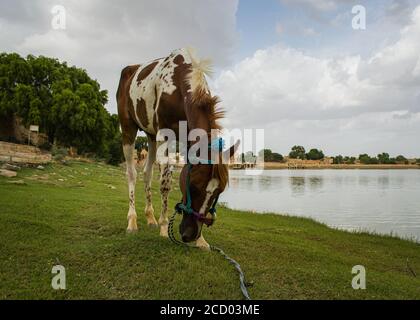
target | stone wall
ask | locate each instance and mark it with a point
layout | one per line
(20, 153)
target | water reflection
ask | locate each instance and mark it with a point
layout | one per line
(315, 183)
(298, 184)
(383, 182)
(380, 200)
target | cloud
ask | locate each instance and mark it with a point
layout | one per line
(295, 29)
(313, 97)
(103, 37)
(321, 5)
(398, 9)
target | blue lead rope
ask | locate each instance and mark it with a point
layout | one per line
(243, 284)
(216, 144)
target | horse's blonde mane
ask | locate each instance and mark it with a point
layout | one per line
(200, 92)
(200, 68)
(202, 98)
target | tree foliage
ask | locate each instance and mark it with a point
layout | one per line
(270, 156)
(315, 154)
(64, 101)
(366, 159)
(344, 160)
(297, 152)
(141, 143)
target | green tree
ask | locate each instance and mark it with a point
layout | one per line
(266, 153)
(276, 157)
(366, 159)
(338, 159)
(400, 159)
(383, 158)
(64, 101)
(141, 143)
(269, 156)
(14, 70)
(350, 160)
(315, 154)
(297, 152)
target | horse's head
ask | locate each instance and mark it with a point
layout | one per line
(202, 184)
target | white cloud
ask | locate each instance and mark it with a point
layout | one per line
(322, 5)
(306, 98)
(105, 36)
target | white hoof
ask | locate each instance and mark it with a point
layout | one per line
(150, 217)
(131, 230)
(132, 224)
(202, 244)
(164, 231)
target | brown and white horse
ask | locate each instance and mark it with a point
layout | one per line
(158, 95)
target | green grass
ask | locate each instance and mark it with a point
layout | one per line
(80, 222)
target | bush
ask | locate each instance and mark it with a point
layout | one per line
(58, 153)
(46, 146)
(366, 159)
(115, 153)
(276, 157)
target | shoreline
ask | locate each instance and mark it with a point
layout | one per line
(359, 230)
(284, 166)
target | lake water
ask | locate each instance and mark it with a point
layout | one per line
(384, 201)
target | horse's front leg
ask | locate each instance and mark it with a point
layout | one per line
(147, 177)
(165, 188)
(131, 177)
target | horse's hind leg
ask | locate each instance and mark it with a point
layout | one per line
(148, 176)
(129, 136)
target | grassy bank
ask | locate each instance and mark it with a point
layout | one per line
(75, 215)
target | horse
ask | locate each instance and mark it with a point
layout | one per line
(160, 95)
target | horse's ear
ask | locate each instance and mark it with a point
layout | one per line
(229, 153)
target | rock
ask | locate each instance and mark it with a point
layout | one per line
(16, 182)
(40, 167)
(10, 167)
(7, 173)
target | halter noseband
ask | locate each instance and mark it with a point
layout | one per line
(180, 207)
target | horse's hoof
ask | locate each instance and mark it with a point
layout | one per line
(164, 232)
(152, 225)
(202, 244)
(203, 247)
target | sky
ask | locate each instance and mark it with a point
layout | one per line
(295, 68)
